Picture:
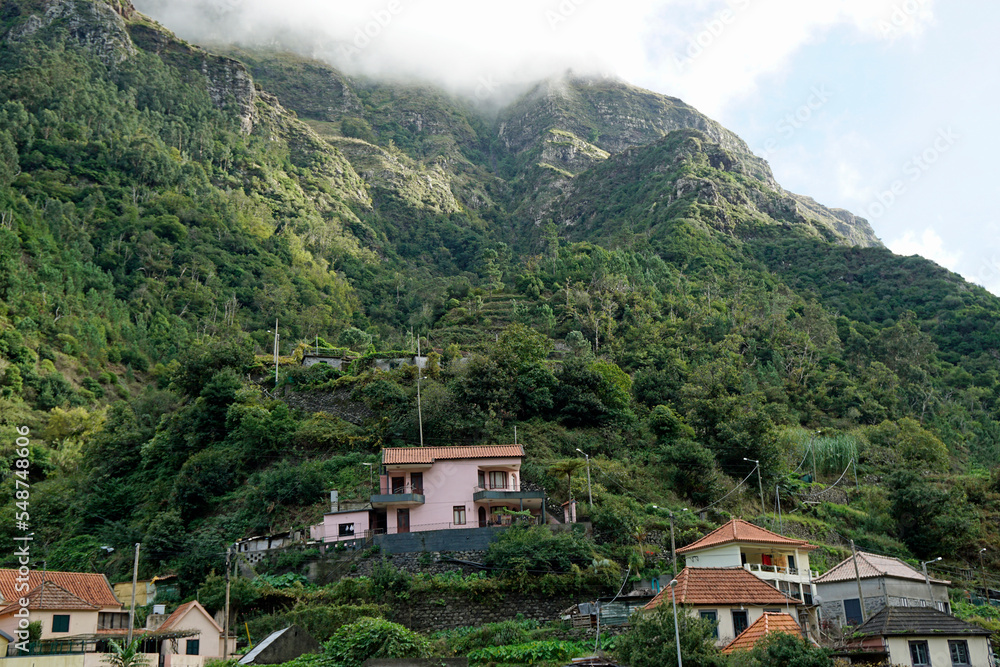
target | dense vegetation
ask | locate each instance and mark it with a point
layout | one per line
(654, 302)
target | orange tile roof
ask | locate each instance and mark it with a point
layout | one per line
(764, 625)
(50, 596)
(721, 586)
(872, 566)
(738, 530)
(181, 612)
(93, 588)
(392, 455)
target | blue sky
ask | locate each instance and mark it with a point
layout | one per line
(882, 107)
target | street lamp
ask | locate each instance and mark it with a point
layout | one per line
(590, 495)
(371, 475)
(982, 575)
(420, 414)
(927, 579)
(277, 337)
(677, 631)
(763, 509)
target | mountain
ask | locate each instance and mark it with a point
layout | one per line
(602, 267)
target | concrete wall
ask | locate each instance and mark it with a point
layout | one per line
(80, 622)
(875, 591)
(724, 616)
(448, 610)
(330, 531)
(470, 539)
(899, 650)
(209, 638)
(727, 555)
(292, 643)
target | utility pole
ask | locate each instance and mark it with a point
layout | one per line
(225, 638)
(982, 575)
(673, 547)
(590, 495)
(777, 498)
(135, 582)
(856, 485)
(41, 591)
(420, 414)
(857, 576)
(927, 580)
(760, 484)
(277, 337)
(677, 631)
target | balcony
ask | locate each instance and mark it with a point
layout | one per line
(776, 573)
(398, 495)
(504, 492)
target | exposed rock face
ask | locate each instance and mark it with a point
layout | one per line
(98, 27)
(229, 81)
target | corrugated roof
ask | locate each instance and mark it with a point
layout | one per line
(767, 623)
(259, 648)
(175, 618)
(872, 566)
(916, 621)
(723, 586)
(392, 455)
(738, 530)
(53, 597)
(94, 588)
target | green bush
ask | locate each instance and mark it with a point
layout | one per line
(536, 549)
(369, 638)
(532, 653)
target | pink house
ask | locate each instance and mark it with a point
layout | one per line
(436, 488)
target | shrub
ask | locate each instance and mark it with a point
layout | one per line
(369, 638)
(524, 549)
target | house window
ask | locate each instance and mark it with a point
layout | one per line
(191, 647)
(852, 610)
(345, 530)
(459, 515)
(498, 479)
(740, 621)
(920, 655)
(60, 623)
(714, 618)
(791, 565)
(959, 649)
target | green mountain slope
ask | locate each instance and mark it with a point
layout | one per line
(602, 267)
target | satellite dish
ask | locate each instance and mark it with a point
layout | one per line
(818, 599)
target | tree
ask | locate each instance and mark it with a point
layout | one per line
(651, 641)
(125, 654)
(781, 649)
(567, 467)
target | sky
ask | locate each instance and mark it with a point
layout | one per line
(883, 107)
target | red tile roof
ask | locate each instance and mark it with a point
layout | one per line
(93, 588)
(53, 597)
(872, 566)
(721, 586)
(738, 530)
(173, 621)
(392, 455)
(765, 624)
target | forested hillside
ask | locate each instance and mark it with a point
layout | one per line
(602, 267)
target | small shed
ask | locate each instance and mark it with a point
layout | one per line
(281, 646)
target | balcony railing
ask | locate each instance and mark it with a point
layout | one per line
(798, 573)
(388, 488)
(511, 486)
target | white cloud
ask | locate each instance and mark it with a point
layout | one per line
(929, 244)
(461, 43)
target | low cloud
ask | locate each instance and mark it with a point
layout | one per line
(708, 53)
(928, 244)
